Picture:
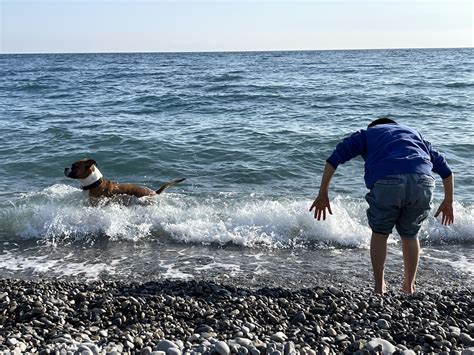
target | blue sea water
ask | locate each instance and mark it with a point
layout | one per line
(250, 132)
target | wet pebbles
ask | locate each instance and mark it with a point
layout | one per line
(197, 317)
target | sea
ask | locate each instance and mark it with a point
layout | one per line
(250, 132)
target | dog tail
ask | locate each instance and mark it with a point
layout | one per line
(169, 184)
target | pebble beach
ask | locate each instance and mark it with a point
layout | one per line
(202, 317)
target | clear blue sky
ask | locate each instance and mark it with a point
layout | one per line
(189, 25)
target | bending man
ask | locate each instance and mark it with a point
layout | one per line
(398, 172)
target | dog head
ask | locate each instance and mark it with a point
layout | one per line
(80, 169)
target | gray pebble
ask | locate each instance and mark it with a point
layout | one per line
(455, 331)
(383, 324)
(243, 341)
(289, 348)
(222, 348)
(387, 347)
(165, 345)
(466, 339)
(341, 338)
(279, 337)
(12, 341)
(173, 351)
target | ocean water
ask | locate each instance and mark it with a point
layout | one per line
(250, 132)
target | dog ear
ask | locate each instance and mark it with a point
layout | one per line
(91, 162)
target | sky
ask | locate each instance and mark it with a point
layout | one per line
(68, 26)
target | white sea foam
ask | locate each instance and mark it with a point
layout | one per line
(60, 214)
(61, 266)
(457, 262)
(173, 272)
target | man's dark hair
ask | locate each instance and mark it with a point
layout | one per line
(383, 120)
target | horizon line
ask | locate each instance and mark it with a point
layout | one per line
(235, 51)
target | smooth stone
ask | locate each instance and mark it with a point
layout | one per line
(335, 291)
(146, 351)
(466, 339)
(12, 341)
(279, 337)
(289, 348)
(84, 350)
(222, 348)
(387, 347)
(455, 331)
(383, 324)
(165, 345)
(299, 317)
(243, 341)
(194, 338)
(173, 351)
(429, 338)
(341, 338)
(204, 328)
(94, 348)
(408, 352)
(22, 346)
(331, 332)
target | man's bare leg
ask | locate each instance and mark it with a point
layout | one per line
(378, 253)
(411, 256)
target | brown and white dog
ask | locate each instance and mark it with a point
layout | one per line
(92, 181)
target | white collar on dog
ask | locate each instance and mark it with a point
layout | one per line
(92, 179)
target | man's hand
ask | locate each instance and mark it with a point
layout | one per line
(446, 208)
(319, 205)
(322, 201)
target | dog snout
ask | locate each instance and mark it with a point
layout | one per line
(67, 171)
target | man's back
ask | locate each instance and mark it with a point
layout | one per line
(390, 149)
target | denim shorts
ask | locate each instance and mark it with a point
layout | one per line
(403, 201)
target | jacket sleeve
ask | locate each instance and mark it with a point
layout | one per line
(440, 166)
(349, 148)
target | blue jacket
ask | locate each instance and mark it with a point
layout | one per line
(389, 149)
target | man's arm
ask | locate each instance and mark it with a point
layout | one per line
(321, 203)
(446, 207)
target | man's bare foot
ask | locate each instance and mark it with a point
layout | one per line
(408, 289)
(381, 290)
